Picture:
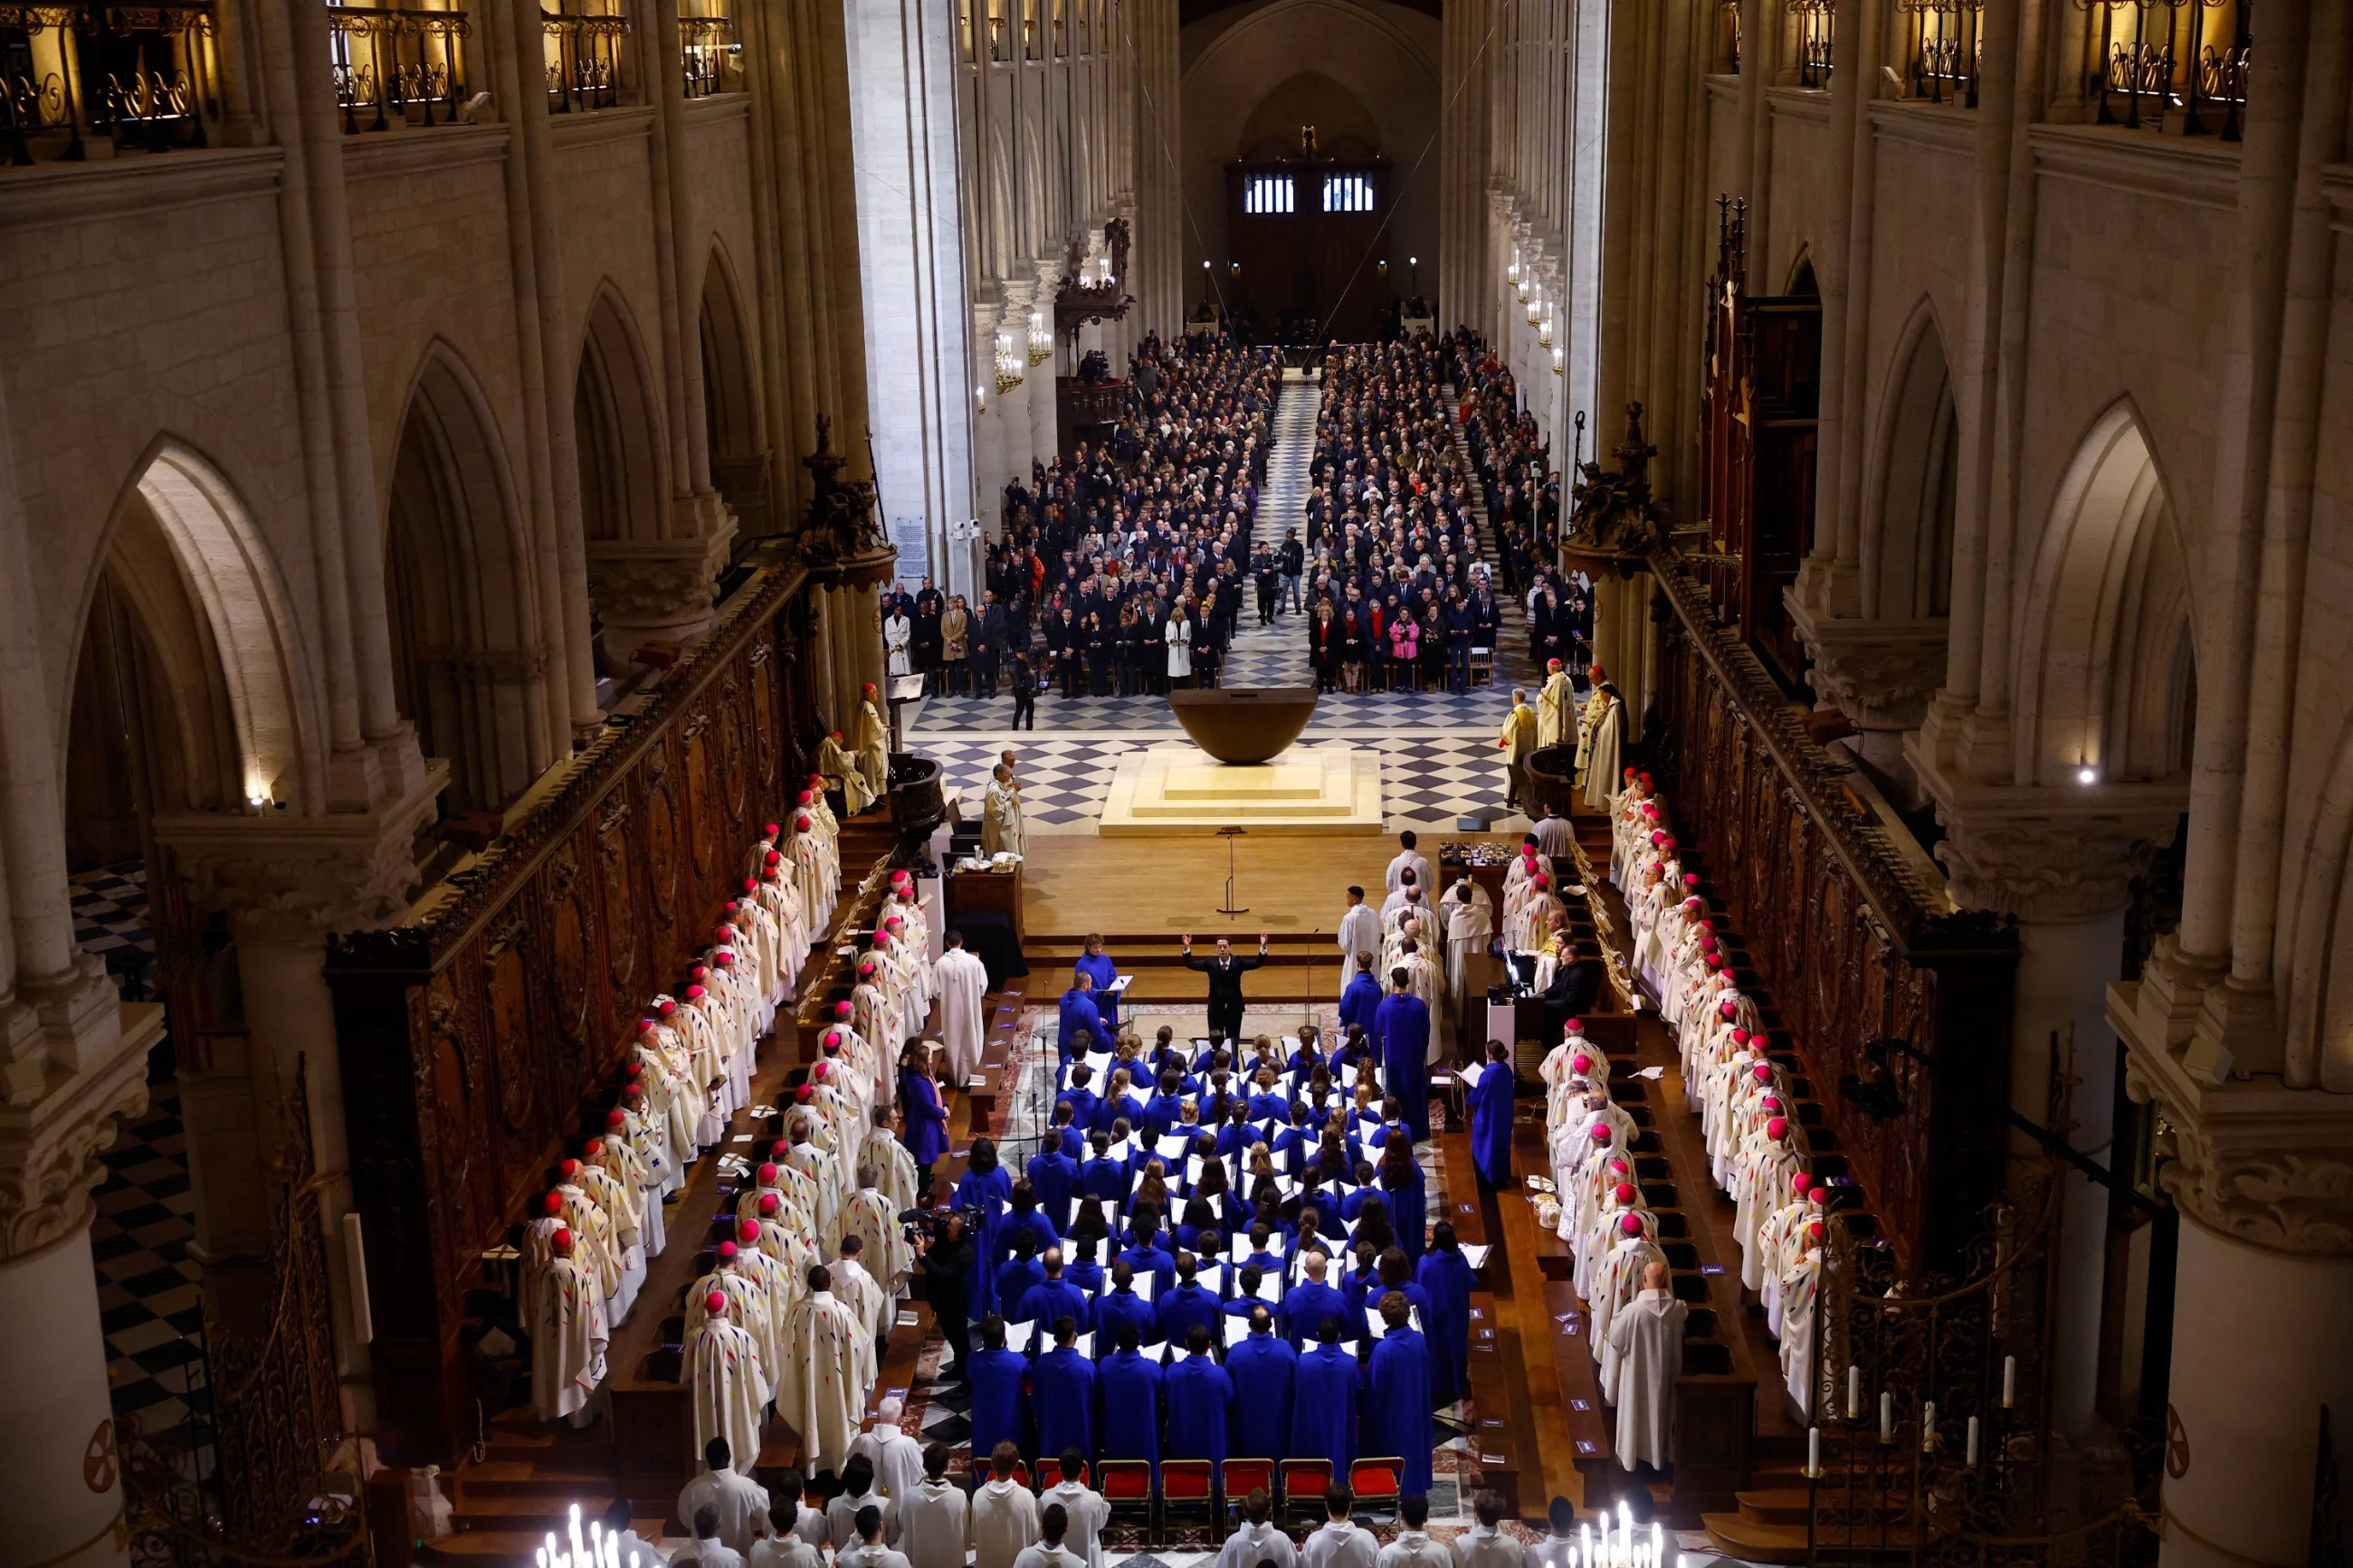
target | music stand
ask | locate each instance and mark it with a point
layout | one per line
(1229, 906)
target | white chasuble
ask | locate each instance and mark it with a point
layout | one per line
(723, 1364)
(567, 1339)
(829, 1367)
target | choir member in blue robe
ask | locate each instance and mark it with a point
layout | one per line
(1323, 1402)
(1307, 1303)
(1188, 1305)
(1100, 971)
(1119, 1305)
(1361, 998)
(1397, 1396)
(1266, 1251)
(1086, 1105)
(1446, 1281)
(1131, 1403)
(994, 1376)
(1079, 1030)
(1166, 1106)
(1263, 1368)
(1490, 1119)
(1054, 1177)
(1063, 1389)
(1268, 1102)
(1357, 1042)
(1081, 1266)
(1023, 1216)
(1398, 1181)
(1396, 1278)
(1200, 1395)
(1102, 1176)
(1245, 1286)
(1147, 1254)
(1016, 1277)
(1402, 1025)
(987, 1187)
(1054, 1296)
(925, 1133)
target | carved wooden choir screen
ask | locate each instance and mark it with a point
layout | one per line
(479, 1042)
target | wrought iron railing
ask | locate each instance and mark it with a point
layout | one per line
(142, 76)
(1944, 49)
(584, 52)
(399, 65)
(710, 54)
(2146, 60)
(1817, 24)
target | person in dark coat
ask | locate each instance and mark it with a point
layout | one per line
(947, 1266)
(1225, 972)
(1575, 985)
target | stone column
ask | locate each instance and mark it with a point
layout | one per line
(2063, 865)
(60, 1487)
(2263, 1292)
(1045, 441)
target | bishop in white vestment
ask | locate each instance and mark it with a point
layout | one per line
(568, 1335)
(723, 1367)
(828, 1366)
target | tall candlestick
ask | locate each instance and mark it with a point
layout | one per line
(1973, 1441)
(1658, 1545)
(2008, 1381)
(1853, 1392)
(1813, 1453)
(1886, 1416)
(1928, 1424)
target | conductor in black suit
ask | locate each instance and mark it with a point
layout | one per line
(1225, 972)
(1576, 985)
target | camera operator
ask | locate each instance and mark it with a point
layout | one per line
(945, 1256)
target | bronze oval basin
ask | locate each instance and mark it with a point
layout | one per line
(1245, 725)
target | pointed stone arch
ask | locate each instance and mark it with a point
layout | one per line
(1908, 496)
(731, 395)
(616, 427)
(469, 641)
(2100, 681)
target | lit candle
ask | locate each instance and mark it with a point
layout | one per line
(1928, 1424)
(1658, 1545)
(1886, 1416)
(1813, 1451)
(2008, 1381)
(1973, 1440)
(1853, 1392)
(543, 1557)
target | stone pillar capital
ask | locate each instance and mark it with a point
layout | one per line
(660, 588)
(294, 879)
(1880, 674)
(65, 1099)
(2066, 855)
(2250, 1159)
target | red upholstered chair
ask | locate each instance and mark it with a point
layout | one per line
(1377, 1483)
(1190, 1485)
(1302, 1496)
(1050, 1473)
(1244, 1476)
(1126, 1486)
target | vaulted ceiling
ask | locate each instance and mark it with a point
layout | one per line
(1189, 11)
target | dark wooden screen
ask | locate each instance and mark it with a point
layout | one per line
(1761, 398)
(479, 1040)
(1855, 941)
(1316, 264)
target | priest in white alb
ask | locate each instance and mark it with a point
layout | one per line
(1000, 819)
(964, 983)
(722, 1367)
(1646, 1340)
(829, 1367)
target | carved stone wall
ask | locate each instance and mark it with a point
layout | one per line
(477, 1040)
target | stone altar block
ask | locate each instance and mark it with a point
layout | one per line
(1179, 789)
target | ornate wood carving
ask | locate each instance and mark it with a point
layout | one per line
(1854, 941)
(476, 1040)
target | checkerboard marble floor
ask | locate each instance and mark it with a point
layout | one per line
(148, 1297)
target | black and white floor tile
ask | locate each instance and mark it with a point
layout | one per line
(109, 915)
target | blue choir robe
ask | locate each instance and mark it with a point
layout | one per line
(1396, 1407)
(1409, 1211)
(1263, 1369)
(1050, 1299)
(989, 1193)
(995, 1379)
(1304, 1308)
(1086, 1107)
(1200, 1397)
(1269, 1107)
(1079, 1012)
(1491, 1124)
(1120, 1306)
(1358, 1002)
(1180, 1309)
(1063, 1389)
(1402, 1025)
(1445, 1279)
(1162, 1113)
(1159, 1264)
(1103, 971)
(1323, 1407)
(1107, 1178)
(1014, 1279)
(1055, 1175)
(1037, 1223)
(926, 1134)
(1086, 1275)
(1130, 1382)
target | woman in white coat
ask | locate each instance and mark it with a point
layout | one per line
(1179, 635)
